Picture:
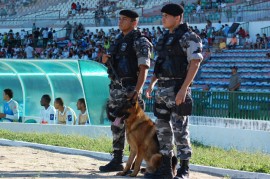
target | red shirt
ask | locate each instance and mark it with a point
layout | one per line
(242, 33)
(73, 6)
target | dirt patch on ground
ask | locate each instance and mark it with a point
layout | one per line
(24, 162)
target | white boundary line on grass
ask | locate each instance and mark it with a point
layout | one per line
(105, 156)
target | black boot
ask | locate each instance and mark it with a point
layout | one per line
(116, 164)
(183, 171)
(164, 171)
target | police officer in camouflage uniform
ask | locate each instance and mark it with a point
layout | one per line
(179, 57)
(128, 62)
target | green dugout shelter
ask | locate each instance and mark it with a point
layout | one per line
(68, 79)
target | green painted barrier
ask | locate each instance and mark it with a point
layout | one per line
(241, 105)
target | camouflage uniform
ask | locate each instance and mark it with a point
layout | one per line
(143, 49)
(172, 123)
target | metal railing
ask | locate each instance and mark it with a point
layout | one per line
(241, 105)
(266, 30)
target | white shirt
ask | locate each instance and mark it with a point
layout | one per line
(23, 34)
(75, 57)
(249, 40)
(54, 36)
(218, 27)
(69, 115)
(29, 51)
(198, 9)
(45, 34)
(85, 57)
(48, 115)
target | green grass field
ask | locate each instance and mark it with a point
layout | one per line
(202, 155)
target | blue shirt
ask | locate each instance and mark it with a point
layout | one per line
(11, 110)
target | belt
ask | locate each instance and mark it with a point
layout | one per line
(125, 82)
(169, 83)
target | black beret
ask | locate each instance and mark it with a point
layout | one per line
(173, 9)
(129, 13)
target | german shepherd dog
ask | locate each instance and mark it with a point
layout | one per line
(142, 138)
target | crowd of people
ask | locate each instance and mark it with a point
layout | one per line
(81, 43)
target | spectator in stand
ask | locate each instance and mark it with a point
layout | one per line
(36, 36)
(268, 55)
(75, 28)
(84, 55)
(259, 41)
(222, 45)
(241, 33)
(50, 35)
(248, 42)
(206, 55)
(235, 80)
(23, 36)
(84, 8)
(198, 9)
(218, 28)
(265, 41)
(106, 44)
(73, 6)
(196, 30)
(34, 28)
(45, 35)
(1, 39)
(29, 51)
(78, 7)
(226, 30)
(233, 42)
(68, 28)
(209, 32)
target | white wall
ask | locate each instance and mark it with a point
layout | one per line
(243, 135)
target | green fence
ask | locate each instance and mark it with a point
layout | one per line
(239, 105)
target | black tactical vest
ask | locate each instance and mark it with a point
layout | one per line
(172, 61)
(125, 61)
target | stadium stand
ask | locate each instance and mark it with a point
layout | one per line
(253, 67)
(56, 13)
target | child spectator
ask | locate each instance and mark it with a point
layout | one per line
(233, 42)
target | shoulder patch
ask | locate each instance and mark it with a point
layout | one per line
(69, 117)
(51, 117)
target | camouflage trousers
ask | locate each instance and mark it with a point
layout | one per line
(171, 127)
(118, 131)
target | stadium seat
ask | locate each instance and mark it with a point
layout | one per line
(30, 121)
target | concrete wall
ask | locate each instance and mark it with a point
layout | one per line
(243, 135)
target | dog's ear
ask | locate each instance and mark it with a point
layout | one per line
(133, 97)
